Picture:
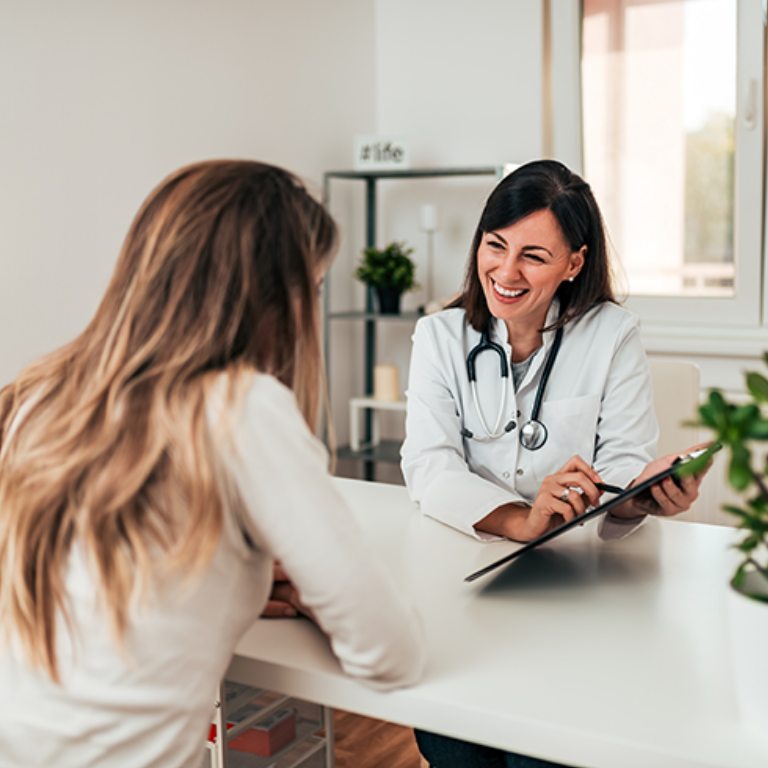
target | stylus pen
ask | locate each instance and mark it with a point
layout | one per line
(608, 488)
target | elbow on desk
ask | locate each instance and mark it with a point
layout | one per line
(389, 676)
(394, 662)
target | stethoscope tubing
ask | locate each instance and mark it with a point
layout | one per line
(558, 340)
(495, 433)
(484, 345)
(533, 434)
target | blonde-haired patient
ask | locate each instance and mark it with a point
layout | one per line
(154, 469)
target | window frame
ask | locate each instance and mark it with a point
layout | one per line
(749, 307)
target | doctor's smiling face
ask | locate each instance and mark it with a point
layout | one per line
(520, 267)
(539, 227)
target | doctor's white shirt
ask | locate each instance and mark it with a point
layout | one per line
(598, 404)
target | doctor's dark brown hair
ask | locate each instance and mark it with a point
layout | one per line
(537, 186)
(107, 440)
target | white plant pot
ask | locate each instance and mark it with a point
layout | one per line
(749, 653)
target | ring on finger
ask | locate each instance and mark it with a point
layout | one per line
(565, 494)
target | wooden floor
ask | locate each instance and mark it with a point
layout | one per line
(362, 742)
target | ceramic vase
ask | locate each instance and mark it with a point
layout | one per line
(748, 619)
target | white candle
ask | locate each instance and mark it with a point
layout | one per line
(429, 217)
(386, 382)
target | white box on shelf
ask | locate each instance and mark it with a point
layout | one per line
(356, 404)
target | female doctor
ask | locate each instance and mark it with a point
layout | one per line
(533, 386)
(531, 389)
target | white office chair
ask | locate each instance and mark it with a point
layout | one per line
(675, 400)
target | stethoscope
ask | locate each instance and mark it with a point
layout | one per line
(533, 434)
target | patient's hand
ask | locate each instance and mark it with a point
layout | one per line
(284, 599)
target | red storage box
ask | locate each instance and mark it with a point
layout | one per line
(269, 735)
(212, 731)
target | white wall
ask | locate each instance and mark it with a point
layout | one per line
(99, 101)
(463, 81)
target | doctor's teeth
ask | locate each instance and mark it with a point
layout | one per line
(509, 294)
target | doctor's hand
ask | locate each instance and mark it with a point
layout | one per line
(667, 498)
(284, 599)
(562, 496)
(567, 493)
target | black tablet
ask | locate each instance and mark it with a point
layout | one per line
(619, 498)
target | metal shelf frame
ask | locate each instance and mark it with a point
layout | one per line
(369, 316)
(220, 753)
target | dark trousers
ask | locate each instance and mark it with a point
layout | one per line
(445, 752)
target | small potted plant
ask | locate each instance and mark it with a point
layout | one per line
(738, 428)
(390, 272)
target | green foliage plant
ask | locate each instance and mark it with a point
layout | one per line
(389, 267)
(737, 427)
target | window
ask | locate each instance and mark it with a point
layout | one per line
(673, 148)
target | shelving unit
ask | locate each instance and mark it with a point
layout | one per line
(372, 451)
(375, 449)
(245, 706)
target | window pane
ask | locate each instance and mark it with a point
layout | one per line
(659, 106)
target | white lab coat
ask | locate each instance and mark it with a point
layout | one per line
(598, 404)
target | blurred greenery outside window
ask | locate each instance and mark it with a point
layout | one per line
(659, 98)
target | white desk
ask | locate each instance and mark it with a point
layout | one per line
(608, 655)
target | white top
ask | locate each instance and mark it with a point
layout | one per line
(152, 706)
(598, 404)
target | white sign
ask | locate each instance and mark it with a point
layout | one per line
(381, 153)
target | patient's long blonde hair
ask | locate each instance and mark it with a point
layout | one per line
(105, 441)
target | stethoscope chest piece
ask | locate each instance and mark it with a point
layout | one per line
(533, 435)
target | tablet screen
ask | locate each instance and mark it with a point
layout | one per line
(619, 498)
